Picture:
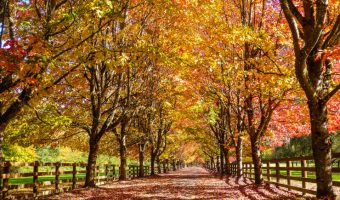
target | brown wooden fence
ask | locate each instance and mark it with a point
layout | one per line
(297, 173)
(40, 179)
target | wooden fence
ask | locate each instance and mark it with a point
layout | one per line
(41, 179)
(297, 173)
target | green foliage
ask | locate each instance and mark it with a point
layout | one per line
(47, 154)
(36, 126)
(336, 142)
(66, 154)
(299, 146)
(213, 115)
(16, 153)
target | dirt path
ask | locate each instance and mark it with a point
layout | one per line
(187, 183)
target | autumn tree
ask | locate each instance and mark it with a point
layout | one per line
(315, 28)
(248, 49)
(34, 53)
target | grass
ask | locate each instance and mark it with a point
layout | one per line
(28, 180)
(335, 176)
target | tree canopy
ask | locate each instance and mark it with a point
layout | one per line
(185, 80)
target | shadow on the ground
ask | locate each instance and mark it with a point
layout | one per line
(265, 191)
(192, 183)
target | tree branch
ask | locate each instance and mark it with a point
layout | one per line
(329, 95)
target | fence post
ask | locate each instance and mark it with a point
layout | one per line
(57, 178)
(107, 172)
(35, 178)
(128, 172)
(97, 173)
(288, 164)
(74, 175)
(113, 172)
(249, 170)
(5, 176)
(303, 174)
(134, 174)
(245, 169)
(252, 170)
(268, 171)
(277, 173)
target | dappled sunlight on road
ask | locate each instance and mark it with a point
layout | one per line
(187, 183)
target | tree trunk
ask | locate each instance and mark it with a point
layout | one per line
(212, 163)
(2, 135)
(2, 159)
(141, 159)
(222, 169)
(122, 155)
(152, 163)
(226, 160)
(218, 164)
(167, 165)
(256, 155)
(91, 164)
(239, 149)
(159, 165)
(164, 167)
(321, 145)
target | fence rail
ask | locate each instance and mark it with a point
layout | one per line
(296, 173)
(40, 179)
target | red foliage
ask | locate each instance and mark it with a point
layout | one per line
(11, 54)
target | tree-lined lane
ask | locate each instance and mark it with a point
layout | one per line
(187, 183)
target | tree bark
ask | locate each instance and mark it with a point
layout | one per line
(218, 164)
(321, 145)
(313, 71)
(158, 165)
(164, 167)
(141, 159)
(173, 165)
(239, 148)
(122, 155)
(91, 164)
(212, 163)
(152, 163)
(222, 169)
(167, 165)
(227, 162)
(256, 156)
